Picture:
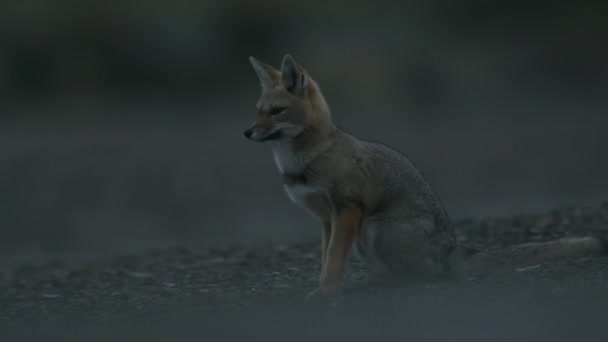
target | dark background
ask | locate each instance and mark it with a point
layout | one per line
(121, 121)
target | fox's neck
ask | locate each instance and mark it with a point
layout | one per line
(319, 108)
(320, 124)
(294, 155)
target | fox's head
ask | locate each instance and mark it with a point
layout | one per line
(291, 102)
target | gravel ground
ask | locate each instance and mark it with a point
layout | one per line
(256, 293)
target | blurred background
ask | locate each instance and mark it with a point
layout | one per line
(121, 121)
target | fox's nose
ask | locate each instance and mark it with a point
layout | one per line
(248, 133)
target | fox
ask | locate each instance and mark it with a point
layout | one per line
(369, 197)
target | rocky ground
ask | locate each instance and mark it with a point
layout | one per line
(256, 293)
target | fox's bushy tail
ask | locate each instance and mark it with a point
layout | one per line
(529, 254)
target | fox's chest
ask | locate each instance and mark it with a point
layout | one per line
(306, 195)
(287, 161)
(301, 194)
(303, 191)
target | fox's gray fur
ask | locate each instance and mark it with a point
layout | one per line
(367, 194)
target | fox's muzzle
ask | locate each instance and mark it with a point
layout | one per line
(248, 132)
(251, 134)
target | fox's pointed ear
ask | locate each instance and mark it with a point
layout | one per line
(267, 74)
(294, 77)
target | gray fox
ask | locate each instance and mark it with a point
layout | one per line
(366, 194)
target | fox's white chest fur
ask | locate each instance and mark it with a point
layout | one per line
(299, 193)
(289, 163)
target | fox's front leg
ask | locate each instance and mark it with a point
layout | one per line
(335, 249)
(325, 237)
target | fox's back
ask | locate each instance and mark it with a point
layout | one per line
(384, 179)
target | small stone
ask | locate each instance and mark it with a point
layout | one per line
(528, 268)
(51, 295)
(139, 275)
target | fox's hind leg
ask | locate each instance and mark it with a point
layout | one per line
(403, 249)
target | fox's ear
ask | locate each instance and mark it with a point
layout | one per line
(267, 74)
(294, 77)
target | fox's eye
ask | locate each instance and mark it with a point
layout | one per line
(276, 110)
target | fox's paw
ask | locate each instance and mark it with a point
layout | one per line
(320, 294)
(316, 295)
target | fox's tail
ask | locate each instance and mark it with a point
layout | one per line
(529, 254)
